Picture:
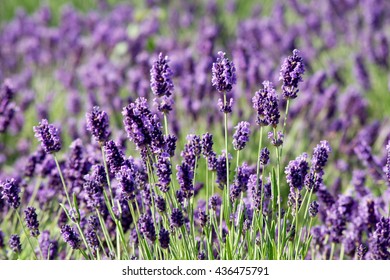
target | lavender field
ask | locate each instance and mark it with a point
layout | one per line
(195, 130)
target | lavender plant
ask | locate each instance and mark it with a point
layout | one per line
(267, 154)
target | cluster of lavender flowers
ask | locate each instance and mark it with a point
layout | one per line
(147, 174)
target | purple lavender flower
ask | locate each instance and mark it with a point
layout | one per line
(215, 201)
(294, 199)
(224, 74)
(380, 241)
(242, 176)
(296, 172)
(70, 236)
(49, 137)
(320, 155)
(202, 256)
(164, 238)
(93, 187)
(278, 141)
(203, 218)
(98, 124)
(142, 127)
(32, 221)
(177, 218)
(14, 243)
(49, 247)
(241, 136)
(221, 170)
(185, 177)
(361, 251)
(92, 239)
(164, 171)
(126, 181)
(265, 102)
(170, 144)
(192, 150)
(10, 192)
(291, 74)
(164, 104)
(93, 222)
(161, 77)
(115, 157)
(160, 203)
(146, 227)
(225, 108)
(235, 191)
(207, 144)
(264, 156)
(313, 209)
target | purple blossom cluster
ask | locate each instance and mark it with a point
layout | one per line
(104, 184)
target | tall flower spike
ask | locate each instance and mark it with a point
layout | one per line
(241, 136)
(265, 102)
(49, 137)
(127, 186)
(142, 127)
(224, 73)
(161, 77)
(320, 155)
(14, 243)
(32, 221)
(10, 192)
(164, 238)
(70, 236)
(177, 218)
(164, 171)
(296, 171)
(291, 74)
(98, 124)
(115, 157)
(146, 227)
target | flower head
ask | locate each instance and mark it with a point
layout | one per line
(164, 238)
(49, 137)
(146, 227)
(291, 74)
(14, 243)
(224, 73)
(161, 77)
(10, 192)
(241, 136)
(177, 218)
(32, 221)
(98, 124)
(70, 236)
(265, 102)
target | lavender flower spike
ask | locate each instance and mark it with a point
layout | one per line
(70, 236)
(10, 192)
(291, 74)
(32, 221)
(161, 77)
(49, 137)
(224, 74)
(98, 124)
(387, 169)
(241, 136)
(146, 227)
(265, 102)
(14, 243)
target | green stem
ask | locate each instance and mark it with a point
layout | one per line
(62, 179)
